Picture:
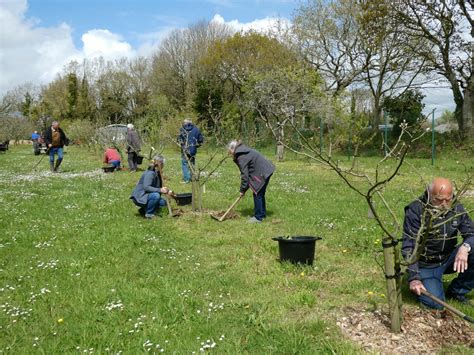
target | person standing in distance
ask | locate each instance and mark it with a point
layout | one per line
(55, 140)
(133, 147)
(189, 138)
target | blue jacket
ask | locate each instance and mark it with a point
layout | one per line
(440, 242)
(190, 138)
(150, 181)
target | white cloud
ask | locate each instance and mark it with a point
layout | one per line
(440, 99)
(259, 25)
(103, 43)
(31, 53)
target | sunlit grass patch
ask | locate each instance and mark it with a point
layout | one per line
(81, 271)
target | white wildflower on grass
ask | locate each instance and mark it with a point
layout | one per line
(114, 305)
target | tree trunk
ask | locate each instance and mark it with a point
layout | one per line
(392, 275)
(468, 107)
(280, 146)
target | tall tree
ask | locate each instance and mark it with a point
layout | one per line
(231, 63)
(175, 66)
(446, 24)
(329, 39)
(406, 107)
(285, 98)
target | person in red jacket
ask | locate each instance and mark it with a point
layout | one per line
(112, 157)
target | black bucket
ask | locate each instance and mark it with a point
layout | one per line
(108, 169)
(139, 159)
(184, 199)
(297, 249)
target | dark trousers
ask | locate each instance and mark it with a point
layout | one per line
(432, 279)
(132, 161)
(259, 205)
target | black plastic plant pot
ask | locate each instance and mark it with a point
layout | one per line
(184, 199)
(109, 169)
(297, 249)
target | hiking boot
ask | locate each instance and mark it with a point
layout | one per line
(149, 216)
(253, 220)
(51, 166)
(459, 298)
(56, 166)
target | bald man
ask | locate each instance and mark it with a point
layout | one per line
(440, 253)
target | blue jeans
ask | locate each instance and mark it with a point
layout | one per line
(154, 201)
(115, 163)
(58, 151)
(432, 280)
(259, 205)
(185, 167)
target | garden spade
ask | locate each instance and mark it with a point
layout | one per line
(40, 160)
(448, 307)
(221, 218)
(168, 203)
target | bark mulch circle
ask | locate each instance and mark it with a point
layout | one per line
(423, 331)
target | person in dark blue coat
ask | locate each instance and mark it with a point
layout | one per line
(430, 244)
(255, 173)
(147, 194)
(189, 138)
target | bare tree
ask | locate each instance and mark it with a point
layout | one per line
(284, 98)
(445, 24)
(176, 64)
(329, 39)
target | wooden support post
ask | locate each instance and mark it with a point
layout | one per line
(394, 294)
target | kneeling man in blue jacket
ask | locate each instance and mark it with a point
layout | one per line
(430, 230)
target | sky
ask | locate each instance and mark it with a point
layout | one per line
(39, 37)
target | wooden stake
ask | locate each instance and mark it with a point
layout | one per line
(394, 295)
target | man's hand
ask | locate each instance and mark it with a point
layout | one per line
(460, 262)
(50, 145)
(416, 286)
(242, 194)
(164, 190)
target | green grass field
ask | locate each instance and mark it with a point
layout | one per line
(81, 271)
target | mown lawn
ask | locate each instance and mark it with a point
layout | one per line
(81, 271)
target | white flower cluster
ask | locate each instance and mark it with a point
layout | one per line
(290, 187)
(51, 265)
(45, 244)
(138, 324)
(185, 293)
(148, 344)
(14, 311)
(114, 305)
(34, 296)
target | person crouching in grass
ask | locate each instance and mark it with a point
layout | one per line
(112, 157)
(147, 194)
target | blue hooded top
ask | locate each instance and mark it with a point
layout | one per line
(190, 138)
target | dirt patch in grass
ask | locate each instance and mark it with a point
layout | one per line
(177, 212)
(423, 331)
(230, 215)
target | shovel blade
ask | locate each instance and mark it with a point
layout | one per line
(216, 218)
